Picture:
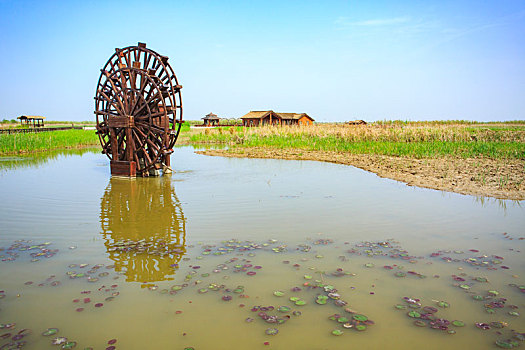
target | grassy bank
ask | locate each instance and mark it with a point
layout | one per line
(466, 140)
(31, 142)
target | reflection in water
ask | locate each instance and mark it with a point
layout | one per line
(34, 160)
(502, 203)
(144, 227)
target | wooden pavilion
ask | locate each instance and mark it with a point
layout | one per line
(211, 120)
(258, 118)
(36, 120)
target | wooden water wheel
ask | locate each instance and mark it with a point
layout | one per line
(138, 107)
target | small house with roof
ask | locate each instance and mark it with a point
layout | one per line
(211, 119)
(259, 118)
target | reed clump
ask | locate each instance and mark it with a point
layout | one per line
(419, 139)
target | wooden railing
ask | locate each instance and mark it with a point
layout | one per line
(30, 130)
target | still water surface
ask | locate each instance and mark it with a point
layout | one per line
(162, 254)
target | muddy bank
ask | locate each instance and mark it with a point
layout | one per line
(503, 179)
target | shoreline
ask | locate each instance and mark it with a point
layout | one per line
(501, 179)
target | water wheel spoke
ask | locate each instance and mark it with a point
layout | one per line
(139, 133)
(143, 83)
(120, 109)
(107, 113)
(153, 144)
(136, 55)
(157, 114)
(139, 138)
(124, 83)
(143, 109)
(119, 95)
(147, 157)
(151, 127)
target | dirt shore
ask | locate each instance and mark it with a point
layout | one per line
(503, 179)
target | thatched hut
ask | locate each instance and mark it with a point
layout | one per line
(356, 122)
(36, 120)
(257, 118)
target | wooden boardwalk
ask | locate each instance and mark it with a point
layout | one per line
(31, 130)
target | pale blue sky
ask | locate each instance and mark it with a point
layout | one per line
(335, 60)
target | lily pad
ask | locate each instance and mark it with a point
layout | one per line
(59, 341)
(359, 317)
(342, 320)
(278, 293)
(337, 332)
(414, 314)
(360, 327)
(69, 345)
(50, 331)
(420, 323)
(283, 309)
(507, 344)
(300, 302)
(498, 324)
(430, 309)
(458, 323)
(482, 325)
(443, 304)
(272, 331)
(400, 307)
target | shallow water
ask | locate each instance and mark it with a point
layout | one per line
(313, 215)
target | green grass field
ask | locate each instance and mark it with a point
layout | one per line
(61, 139)
(31, 142)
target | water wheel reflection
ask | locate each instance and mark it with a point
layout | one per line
(144, 228)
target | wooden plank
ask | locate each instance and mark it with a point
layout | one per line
(121, 122)
(123, 168)
(114, 143)
(130, 147)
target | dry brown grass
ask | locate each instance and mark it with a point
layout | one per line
(397, 133)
